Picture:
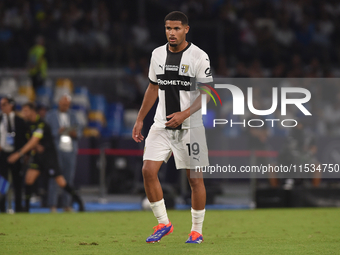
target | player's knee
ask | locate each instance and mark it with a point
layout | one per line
(196, 183)
(29, 181)
(149, 173)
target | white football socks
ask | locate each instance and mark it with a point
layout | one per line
(197, 220)
(159, 210)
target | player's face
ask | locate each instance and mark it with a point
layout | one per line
(27, 113)
(175, 32)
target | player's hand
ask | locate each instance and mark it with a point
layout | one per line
(61, 130)
(26, 159)
(13, 157)
(177, 119)
(137, 131)
(73, 134)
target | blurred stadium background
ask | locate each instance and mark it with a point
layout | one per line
(98, 51)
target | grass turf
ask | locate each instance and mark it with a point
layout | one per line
(267, 231)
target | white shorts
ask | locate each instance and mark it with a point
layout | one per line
(189, 146)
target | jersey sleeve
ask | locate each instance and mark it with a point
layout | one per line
(203, 70)
(39, 131)
(152, 74)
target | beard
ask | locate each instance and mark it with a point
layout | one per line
(173, 44)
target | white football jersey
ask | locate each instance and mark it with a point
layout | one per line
(176, 73)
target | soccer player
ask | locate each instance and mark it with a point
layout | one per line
(43, 155)
(178, 126)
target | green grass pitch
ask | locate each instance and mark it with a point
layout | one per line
(266, 231)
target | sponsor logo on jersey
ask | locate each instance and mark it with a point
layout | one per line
(184, 68)
(173, 68)
(174, 82)
(208, 72)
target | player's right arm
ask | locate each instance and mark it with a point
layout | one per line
(149, 100)
(31, 144)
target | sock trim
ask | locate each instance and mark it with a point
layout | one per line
(157, 202)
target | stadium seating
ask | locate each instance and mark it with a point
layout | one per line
(91, 110)
(8, 86)
(65, 83)
(81, 104)
(28, 91)
(44, 95)
(97, 119)
(115, 119)
(98, 103)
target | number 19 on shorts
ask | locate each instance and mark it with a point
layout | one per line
(193, 148)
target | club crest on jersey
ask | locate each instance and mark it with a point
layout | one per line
(184, 68)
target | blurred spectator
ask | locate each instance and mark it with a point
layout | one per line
(13, 137)
(143, 80)
(320, 38)
(42, 110)
(313, 70)
(68, 35)
(101, 16)
(331, 116)
(222, 69)
(304, 34)
(6, 36)
(299, 149)
(241, 71)
(66, 131)
(109, 33)
(75, 14)
(192, 8)
(296, 67)
(255, 70)
(257, 136)
(141, 36)
(284, 35)
(37, 63)
(279, 71)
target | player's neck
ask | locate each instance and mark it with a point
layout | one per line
(179, 47)
(35, 117)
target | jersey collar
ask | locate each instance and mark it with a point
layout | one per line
(167, 48)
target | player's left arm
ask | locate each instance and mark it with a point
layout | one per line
(203, 74)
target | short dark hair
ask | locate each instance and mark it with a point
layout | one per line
(30, 105)
(178, 16)
(10, 100)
